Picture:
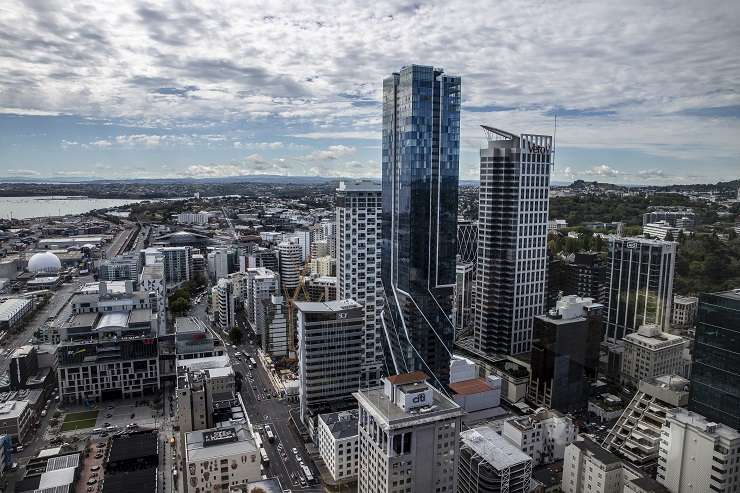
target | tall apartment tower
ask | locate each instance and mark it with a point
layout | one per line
(421, 152)
(715, 370)
(512, 240)
(290, 254)
(358, 240)
(640, 278)
(408, 437)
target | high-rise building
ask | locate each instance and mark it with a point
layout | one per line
(275, 332)
(649, 353)
(467, 241)
(408, 434)
(697, 454)
(636, 435)
(715, 370)
(358, 240)
(421, 151)
(463, 307)
(261, 285)
(329, 351)
(223, 304)
(290, 254)
(565, 354)
(512, 240)
(120, 268)
(489, 463)
(589, 467)
(152, 281)
(178, 262)
(640, 280)
(201, 391)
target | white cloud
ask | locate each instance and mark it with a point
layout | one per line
(331, 153)
(258, 145)
(20, 172)
(602, 170)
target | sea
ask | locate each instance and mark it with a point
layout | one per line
(43, 206)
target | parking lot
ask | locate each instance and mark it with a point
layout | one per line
(117, 415)
(91, 470)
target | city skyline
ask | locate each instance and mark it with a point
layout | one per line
(136, 90)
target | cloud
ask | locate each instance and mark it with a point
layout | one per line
(602, 170)
(258, 145)
(331, 153)
(20, 172)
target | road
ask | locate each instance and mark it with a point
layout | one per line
(263, 410)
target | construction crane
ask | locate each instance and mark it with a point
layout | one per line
(234, 236)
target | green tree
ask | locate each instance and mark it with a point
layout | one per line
(179, 306)
(236, 335)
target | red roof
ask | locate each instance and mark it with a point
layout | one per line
(470, 387)
(404, 378)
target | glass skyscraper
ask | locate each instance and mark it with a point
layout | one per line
(421, 150)
(715, 372)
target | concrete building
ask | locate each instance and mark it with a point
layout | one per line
(330, 338)
(275, 333)
(223, 304)
(684, 312)
(193, 217)
(358, 240)
(201, 392)
(220, 458)
(681, 219)
(408, 435)
(661, 230)
(120, 268)
(512, 240)
(218, 263)
(588, 467)
(319, 248)
(16, 418)
(490, 464)
(338, 444)
(640, 278)
(323, 266)
(565, 354)
(636, 435)
(152, 281)
(13, 311)
(177, 261)
(290, 255)
(193, 340)
(261, 285)
(477, 394)
(650, 353)
(32, 367)
(697, 454)
(715, 369)
(543, 435)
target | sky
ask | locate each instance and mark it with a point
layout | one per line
(645, 91)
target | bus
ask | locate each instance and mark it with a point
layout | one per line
(307, 473)
(270, 436)
(265, 459)
(252, 363)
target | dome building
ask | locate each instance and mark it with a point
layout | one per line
(45, 262)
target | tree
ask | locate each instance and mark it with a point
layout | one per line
(179, 306)
(236, 335)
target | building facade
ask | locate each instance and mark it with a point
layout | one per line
(640, 278)
(290, 254)
(650, 353)
(462, 311)
(338, 444)
(512, 240)
(330, 338)
(715, 369)
(421, 148)
(224, 304)
(684, 312)
(543, 435)
(408, 436)
(358, 240)
(490, 464)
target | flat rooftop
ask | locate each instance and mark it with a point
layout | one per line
(11, 306)
(390, 415)
(125, 482)
(134, 446)
(342, 424)
(12, 409)
(203, 445)
(493, 448)
(733, 294)
(700, 422)
(326, 306)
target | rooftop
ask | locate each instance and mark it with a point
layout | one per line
(134, 446)
(404, 378)
(125, 482)
(204, 445)
(326, 306)
(702, 424)
(600, 453)
(342, 424)
(9, 307)
(733, 294)
(652, 336)
(12, 409)
(470, 387)
(493, 448)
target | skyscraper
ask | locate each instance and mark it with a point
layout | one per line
(358, 265)
(715, 371)
(421, 142)
(512, 240)
(640, 278)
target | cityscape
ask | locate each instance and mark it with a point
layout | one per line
(420, 319)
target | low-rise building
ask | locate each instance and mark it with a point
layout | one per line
(220, 458)
(589, 467)
(338, 444)
(683, 314)
(650, 353)
(203, 388)
(12, 312)
(543, 435)
(16, 418)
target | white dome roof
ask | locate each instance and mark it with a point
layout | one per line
(44, 262)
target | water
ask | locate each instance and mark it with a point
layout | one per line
(26, 207)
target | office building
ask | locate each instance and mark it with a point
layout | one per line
(275, 332)
(512, 240)
(223, 304)
(462, 311)
(319, 248)
(565, 354)
(329, 351)
(200, 218)
(218, 263)
(661, 230)
(32, 367)
(408, 435)
(338, 444)
(6, 454)
(16, 418)
(640, 279)
(13, 311)
(421, 148)
(203, 387)
(193, 340)
(636, 435)
(218, 459)
(261, 285)
(467, 241)
(684, 312)
(543, 435)
(264, 257)
(290, 255)
(582, 274)
(358, 239)
(120, 268)
(682, 219)
(649, 353)
(697, 454)
(177, 261)
(323, 266)
(489, 463)
(152, 281)
(715, 369)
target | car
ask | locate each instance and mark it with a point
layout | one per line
(104, 434)
(98, 456)
(95, 468)
(92, 481)
(93, 475)
(90, 488)
(295, 450)
(106, 424)
(303, 482)
(109, 415)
